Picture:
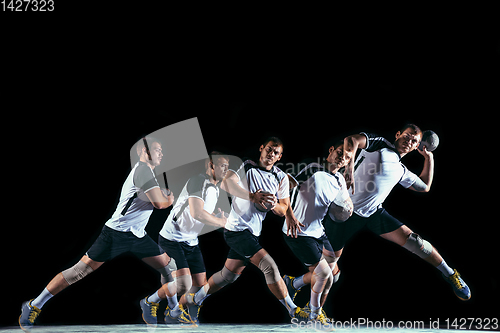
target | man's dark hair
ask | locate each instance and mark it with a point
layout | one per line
(273, 139)
(338, 143)
(213, 156)
(145, 142)
(413, 127)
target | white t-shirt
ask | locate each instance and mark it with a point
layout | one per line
(243, 213)
(180, 225)
(310, 200)
(134, 208)
(376, 171)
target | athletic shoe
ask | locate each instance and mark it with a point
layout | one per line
(459, 286)
(182, 318)
(301, 315)
(289, 285)
(149, 311)
(29, 313)
(324, 319)
(193, 308)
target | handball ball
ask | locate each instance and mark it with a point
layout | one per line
(340, 211)
(430, 140)
(268, 205)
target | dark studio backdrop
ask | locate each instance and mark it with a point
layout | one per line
(77, 158)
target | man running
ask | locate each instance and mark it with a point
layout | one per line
(123, 232)
(318, 186)
(372, 176)
(256, 188)
(179, 236)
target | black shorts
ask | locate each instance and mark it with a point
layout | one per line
(243, 244)
(112, 243)
(380, 222)
(308, 249)
(185, 256)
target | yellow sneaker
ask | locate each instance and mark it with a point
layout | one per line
(182, 318)
(149, 311)
(289, 285)
(301, 315)
(29, 313)
(460, 288)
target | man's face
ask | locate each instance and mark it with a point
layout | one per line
(270, 154)
(407, 141)
(156, 154)
(221, 166)
(336, 157)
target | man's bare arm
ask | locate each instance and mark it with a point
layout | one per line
(158, 198)
(292, 224)
(231, 186)
(427, 173)
(351, 145)
(197, 210)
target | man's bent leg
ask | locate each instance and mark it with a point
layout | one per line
(73, 274)
(411, 241)
(275, 283)
(228, 274)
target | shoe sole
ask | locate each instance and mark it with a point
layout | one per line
(152, 325)
(19, 322)
(21, 326)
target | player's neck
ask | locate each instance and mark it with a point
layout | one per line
(267, 167)
(331, 167)
(144, 160)
(211, 177)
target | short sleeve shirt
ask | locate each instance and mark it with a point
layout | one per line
(244, 215)
(310, 200)
(134, 208)
(180, 226)
(376, 171)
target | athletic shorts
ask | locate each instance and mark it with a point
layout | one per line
(380, 222)
(112, 243)
(308, 249)
(243, 244)
(185, 256)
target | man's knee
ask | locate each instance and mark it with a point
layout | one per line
(166, 272)
(77, 272)
(224, 277)
(184, 283)
(415, 244)
(322, 273)
(322, 270)
(330, 259)
(270, 269)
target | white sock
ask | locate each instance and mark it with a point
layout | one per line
(200, 296)
(175, 311)
(445, 269)
(154, 298)
(289, 305)
(40, 301)
(314, 311)
(172, 301)
(298, 282)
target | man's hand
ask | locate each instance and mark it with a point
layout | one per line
(260, 198)
(223, 217)
(169, 195)
(293, 226)
(425, 153)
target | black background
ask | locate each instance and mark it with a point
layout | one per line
(77, 119)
